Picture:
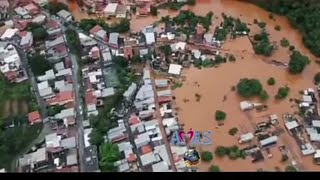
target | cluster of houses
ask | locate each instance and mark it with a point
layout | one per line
(141, 141)
(305, 131)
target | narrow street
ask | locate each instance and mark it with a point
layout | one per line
(158, 116)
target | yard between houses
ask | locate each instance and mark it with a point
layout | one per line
(16, 99)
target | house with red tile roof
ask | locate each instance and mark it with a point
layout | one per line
(31, 8)
(34, 117)
(90, 98)
(134, 120)
(94, 54)
(143, 11)
(61, 98)
(146, 149)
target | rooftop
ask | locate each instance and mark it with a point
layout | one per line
(91, 159)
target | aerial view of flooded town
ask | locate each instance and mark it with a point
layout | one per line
(159, 86)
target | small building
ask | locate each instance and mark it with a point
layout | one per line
(65, 15)
(316, 157)
(121, 11)
(246, 105)
(161, 83)
(91, 159)
(23, 13)
(246, 137)
(307, 149)
(160, 167)
(307, 98)
(149, 34)
(8, 34)
(111, 9)
(69, 143)
(291, 126)
(34, 117)
(270, 141)
(175, 69)
(98, 32)
(26, 39)
(130, 91)
(113, 39)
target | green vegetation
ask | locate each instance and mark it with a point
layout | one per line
(291, 48)
(73, 41)
(232, 58)
(249, 87)
(39, 64)
(109, 154)
(121, 27)
(177, 85)
(264, 95)
(39, 33)
(166, 50)
(233, 131)
(284, 158)
(262, 46)
(282, 92)
(153, 10)
(174, 5)
(55, 7)
(284, 42)
(187, 22)
(277, 28)
(302, 15)
(206, 156)
(53, 110)
(214, 168)
(15, 140)
(271, 81)
(220, 115)
(262, 24)
(316, 78)
(232, 152)
(291, 169)
(297, 62)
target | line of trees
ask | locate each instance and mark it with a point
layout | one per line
(122, 27)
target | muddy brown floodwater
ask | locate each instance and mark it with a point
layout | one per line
(215, 83)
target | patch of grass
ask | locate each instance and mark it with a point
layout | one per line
(177, 85)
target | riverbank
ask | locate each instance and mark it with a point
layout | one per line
(213, 89)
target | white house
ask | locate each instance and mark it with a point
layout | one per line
(111, 9)
(67, 16)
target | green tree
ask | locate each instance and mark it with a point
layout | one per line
(191, 2)
(214, 168)
(53, 110)
(122, 27)
(264, 95)
(39, 64)
(316, 78)
(297, 62)
(109, 154)
(153, 10)
(249, 87)
(284, 42)
(166, 50)
(220, 115)
(206, 156)
(221, 151)
(277, 28)
(291, 169)
(282, 92)
(233, 131)
(271, 81)
(73, 40)
(262, 24)
(96, 138)
(55, 7)
(291, 48)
